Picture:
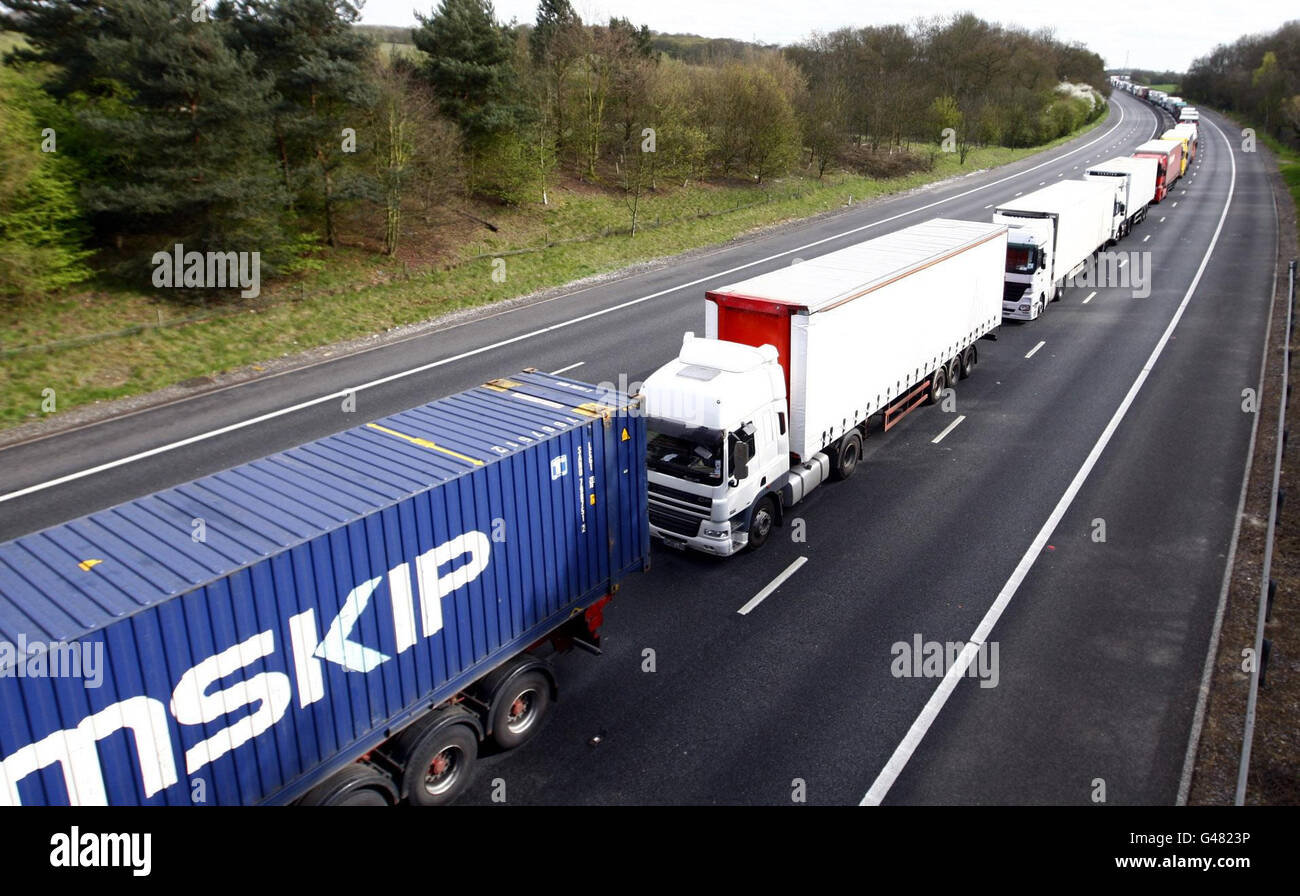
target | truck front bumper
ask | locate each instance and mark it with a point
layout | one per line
(719, 539)
(1013, 311)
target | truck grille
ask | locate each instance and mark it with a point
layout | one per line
(677, 522)
(681, 497)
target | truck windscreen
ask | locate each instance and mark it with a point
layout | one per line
(691, 454)
(1021, 259)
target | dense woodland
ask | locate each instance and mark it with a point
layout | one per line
(1258, 77)
(277, 125)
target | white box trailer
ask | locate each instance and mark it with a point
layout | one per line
(777, 397)
(1053, 233)
(1139, 179)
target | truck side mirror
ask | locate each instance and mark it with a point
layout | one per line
(740, 460)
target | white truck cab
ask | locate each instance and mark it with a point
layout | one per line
(1029, 283)
(717, 435)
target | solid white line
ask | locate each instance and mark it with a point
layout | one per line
(951, 426)
(566, 369)
(1090, 295)
(772, 586)
(1033, 351)
(335, 396)
(898, 761)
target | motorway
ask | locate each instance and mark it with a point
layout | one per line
(1109, 408)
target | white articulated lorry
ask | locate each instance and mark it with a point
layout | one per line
(1053, 233)
(777, 397)
(1138, 177)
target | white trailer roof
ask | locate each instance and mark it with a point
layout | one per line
(1061, 195)
(836, 277)
(1162, 146)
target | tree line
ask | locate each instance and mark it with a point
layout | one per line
(275, 125)
(1257, 77)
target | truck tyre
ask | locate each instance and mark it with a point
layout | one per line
(969, 359)
(954, 370)
(938, 382)
(437, 761)
(357, 785)
(847, 455)
(520, 708)
(761, 523)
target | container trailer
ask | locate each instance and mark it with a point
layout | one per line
(1054, 231)
(1190, 135)
(1169, 159)
(339, 623)
(796, 364)
(1138, 177)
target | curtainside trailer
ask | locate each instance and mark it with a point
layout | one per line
(1054, 231)
(342, 622)
(1169, 158)
(1138, 177)
(798, 363)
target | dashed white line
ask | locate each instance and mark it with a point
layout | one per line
(561, 325)
(566, 369)
(1090, 295)
(949, 428)
(1122, 262)
(1148, 236)
(772, 586)
(1162, 220)
(990, 205)
(1175, 205)
(1033, 351)
(916, 733)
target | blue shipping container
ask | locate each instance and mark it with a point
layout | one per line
(236, 639)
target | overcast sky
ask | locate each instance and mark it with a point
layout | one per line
(1138, 33)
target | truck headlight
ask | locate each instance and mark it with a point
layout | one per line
(715, 533)
(1024, 309)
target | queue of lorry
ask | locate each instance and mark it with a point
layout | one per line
(350, 621)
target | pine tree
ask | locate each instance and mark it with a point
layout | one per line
(175, 119)
(470, 67)
(319, 66)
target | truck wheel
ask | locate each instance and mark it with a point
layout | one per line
(761, 523)
(938, 382)
(520, 709)
(847, 455)
(969, 359)
(437, 763)
(356, 785)
(954, 370)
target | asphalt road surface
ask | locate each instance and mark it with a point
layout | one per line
(1075, 521)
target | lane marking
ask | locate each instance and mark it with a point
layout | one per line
(1090, 295)
(1147, 237)
(1122, 262)
(903, 753)
(951, 426)
(522, 337)
(990, 205)
(1175, 205)
(1162, 220)
(565, 369)
(772, 586)
(1033, 351)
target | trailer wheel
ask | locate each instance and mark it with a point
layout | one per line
(847, 455)
(437, 762)
(938, 382)
(761, 523)
(969, 359)
(356, 785)
(953, 372)
(522, 706)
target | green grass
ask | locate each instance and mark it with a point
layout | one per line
(1171, 89)
(357, 293)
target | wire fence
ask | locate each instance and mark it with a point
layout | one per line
(1268, 588)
